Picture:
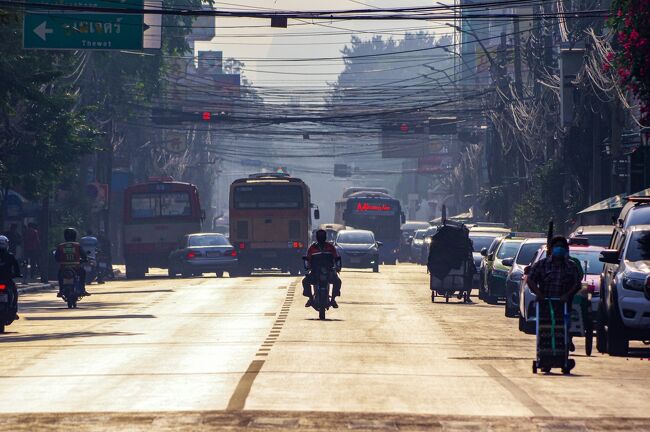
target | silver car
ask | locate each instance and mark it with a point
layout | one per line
(202, 253)
(358, 249)
(417, 244)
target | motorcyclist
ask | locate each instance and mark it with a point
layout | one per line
(90, 245)
(321, 245)
(9, 269)
(69, 254)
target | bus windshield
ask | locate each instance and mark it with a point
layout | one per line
(268, 197)
(163, 204)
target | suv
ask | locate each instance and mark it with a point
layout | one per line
(635, 212)
(624, 309)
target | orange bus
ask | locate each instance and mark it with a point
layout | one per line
(270, 222)
(157, 215)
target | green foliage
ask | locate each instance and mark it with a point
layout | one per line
(543, 200)
(42, 135)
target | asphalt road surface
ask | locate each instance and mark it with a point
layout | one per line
(230, 354)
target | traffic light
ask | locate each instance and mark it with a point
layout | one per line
(174, 116)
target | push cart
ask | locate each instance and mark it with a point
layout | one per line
(552, 337)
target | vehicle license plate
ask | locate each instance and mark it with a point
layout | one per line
(355, 260)
(214, 254)
(4, 298)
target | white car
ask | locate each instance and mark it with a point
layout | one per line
(624, 310)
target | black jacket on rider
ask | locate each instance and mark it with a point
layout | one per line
(9, 267)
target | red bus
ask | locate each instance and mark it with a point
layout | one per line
(157, 215)
(270, 222)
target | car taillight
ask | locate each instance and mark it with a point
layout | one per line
(242, 245)
(3, 287)
(297, 245)
(591, 288)
(190, 255)
(233, 253)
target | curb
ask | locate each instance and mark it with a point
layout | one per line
(36, 288)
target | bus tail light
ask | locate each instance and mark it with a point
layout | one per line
(190, 255)
(297, 245)
(3, 287)
(242, 245)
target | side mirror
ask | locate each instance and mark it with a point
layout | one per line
(527, 270)
(508, 262)
(609, 256)
(484, 252)
(379, 244)
(317, 214)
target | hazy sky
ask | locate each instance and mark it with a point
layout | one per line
(259, 44)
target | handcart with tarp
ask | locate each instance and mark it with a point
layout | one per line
(450, 264)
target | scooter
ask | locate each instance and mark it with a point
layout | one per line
(7, 301)
(322, 266)
(71, 291)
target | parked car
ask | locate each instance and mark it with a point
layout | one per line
(417, 245)
(589, 258)
(482, 237)
(635, 212)
(624, 308)
(497, 271)
(487, 256)
(358, 249)
(523, 258)
(203, 253)
(596, 235)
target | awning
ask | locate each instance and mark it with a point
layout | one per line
(612, 203)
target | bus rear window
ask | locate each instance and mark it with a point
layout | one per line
(268, 197)
(151, 205)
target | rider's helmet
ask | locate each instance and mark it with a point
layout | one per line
(321, 236)
(4, 242)
(70, 234)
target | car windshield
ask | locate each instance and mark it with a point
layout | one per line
(355, 238)
(527, 253)
(508, 249)
(592, 259)
(481, 241)
(639, 247)
(208, 240)
(419, 235)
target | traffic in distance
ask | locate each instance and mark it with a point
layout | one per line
(589, 289)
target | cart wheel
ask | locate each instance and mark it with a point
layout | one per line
(534, 367)
(433, 296)
(589, 343)
(446, 298)
(546, 370)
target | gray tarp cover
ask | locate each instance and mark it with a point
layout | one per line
(450, 248)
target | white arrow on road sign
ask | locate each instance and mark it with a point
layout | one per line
(42, 31)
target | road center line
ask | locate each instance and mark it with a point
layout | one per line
(523, 397)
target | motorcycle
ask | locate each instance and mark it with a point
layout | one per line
(7, 304)
(322, 266)
(90, 266)
(71, 291)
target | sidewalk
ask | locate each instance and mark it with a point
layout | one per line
(33, 287)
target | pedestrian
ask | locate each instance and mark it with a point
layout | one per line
(32, 247)
(557, 275)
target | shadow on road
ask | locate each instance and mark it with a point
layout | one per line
(59, 336)
(32, 306)
(87, 317)
(100, 293)
(326, 319)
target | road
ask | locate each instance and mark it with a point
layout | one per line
(244, 353)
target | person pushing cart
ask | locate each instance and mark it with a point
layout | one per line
(555, 280)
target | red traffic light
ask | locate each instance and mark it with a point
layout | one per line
(404, 127)
(207, 115)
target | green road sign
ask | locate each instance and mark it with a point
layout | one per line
(51, 29)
